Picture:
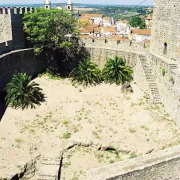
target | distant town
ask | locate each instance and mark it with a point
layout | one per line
(117, 22)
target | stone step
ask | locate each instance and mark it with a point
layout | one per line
(155, 93)
(150, 77)
(147, 72)
(150, 80)
(50, 167)
(156, 97)
(154, 90)
(174, 67)
(153, 84)
(173, 64)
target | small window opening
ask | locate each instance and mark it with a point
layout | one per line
(130, 43)
(165, 48)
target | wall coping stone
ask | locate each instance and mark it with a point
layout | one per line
(137, 164)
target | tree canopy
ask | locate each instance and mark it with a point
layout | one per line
(136, 21)
(47, 28)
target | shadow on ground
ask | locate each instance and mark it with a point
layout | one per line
(2, 109)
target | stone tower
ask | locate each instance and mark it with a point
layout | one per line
(69, 5)
(47, 4)
(165, 39)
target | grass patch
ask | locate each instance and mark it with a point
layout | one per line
(132, 130)
(132, 156)
(66, 135)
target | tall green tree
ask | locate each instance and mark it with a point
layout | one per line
(136, 21)
(116, 71)
(47, 30)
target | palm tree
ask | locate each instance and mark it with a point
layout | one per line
(116, 71)
(86, 73)
(22, 93)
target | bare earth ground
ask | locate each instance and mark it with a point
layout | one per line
(116, 126)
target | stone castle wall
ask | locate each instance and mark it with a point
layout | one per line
(165, 29)
(123, 45)
(158, 165)
(11, 28)
(6, 47)
(149, 76)
(100, 55)
(20, 61)
(168, 84)
(148, 68)
(5, 25)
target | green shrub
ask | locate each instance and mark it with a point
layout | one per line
(171, 79)
(87, 73)
(132, 155)
(22, 93)
(163, 71)
(116, 71)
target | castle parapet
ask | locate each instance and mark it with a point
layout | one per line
(6, 47)
(16, 10)
(115, 43)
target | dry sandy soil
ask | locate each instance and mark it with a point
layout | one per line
(115, 126)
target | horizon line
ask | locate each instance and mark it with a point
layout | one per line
(76, 3)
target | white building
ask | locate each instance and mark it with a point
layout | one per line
(108, 31)
(69, 5)
(95, 18)
(141, 34)
(123, 29)
(47, 4)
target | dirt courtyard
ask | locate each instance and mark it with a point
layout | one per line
(108, 126)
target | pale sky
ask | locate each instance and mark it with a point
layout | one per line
(135, 2)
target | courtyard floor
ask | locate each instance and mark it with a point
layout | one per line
(101, 124)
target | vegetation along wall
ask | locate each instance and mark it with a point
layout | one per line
(157, 76)
(19, 61)
(160, 165)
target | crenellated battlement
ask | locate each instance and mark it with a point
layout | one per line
(116, 44)
(16, 10)
(6, 46)
(12, 36)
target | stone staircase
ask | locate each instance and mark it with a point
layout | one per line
(50, 168)
(173, 66)
(154, 92)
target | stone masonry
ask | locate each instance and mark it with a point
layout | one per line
(12, 36)
(156, 71)
(165, 39)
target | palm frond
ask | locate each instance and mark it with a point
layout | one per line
(116, 71)
(22, 93)
(87, 73)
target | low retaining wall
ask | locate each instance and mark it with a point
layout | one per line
(100, 55)
(159, 165)
(20, 61)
